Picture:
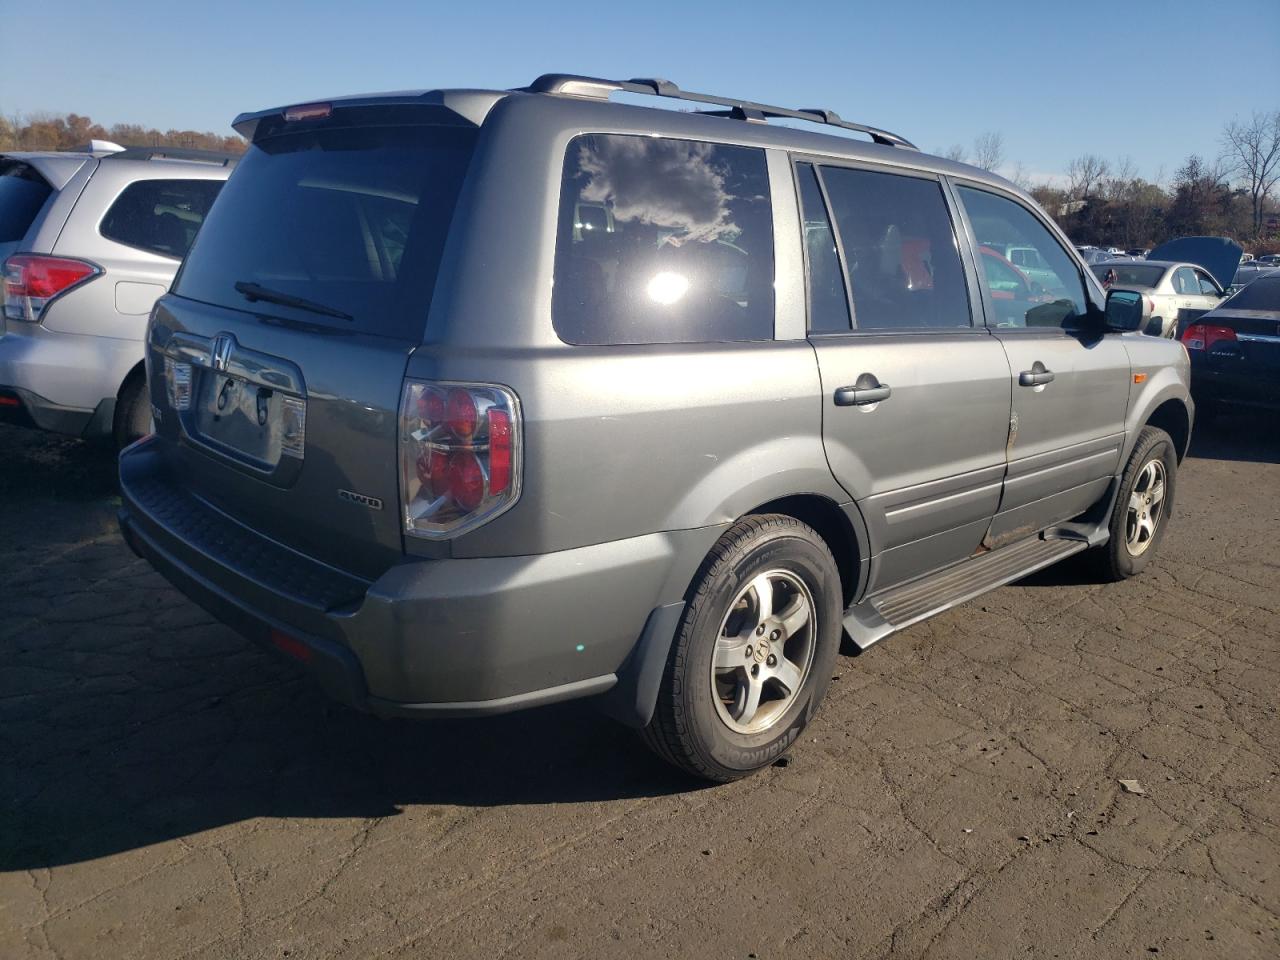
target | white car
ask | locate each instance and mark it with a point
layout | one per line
(1180, 281)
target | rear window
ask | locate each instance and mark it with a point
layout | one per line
(341, 226)
(1261, 294)
(1133, 275)
(22, 194)
(160, 216)
(663, 241)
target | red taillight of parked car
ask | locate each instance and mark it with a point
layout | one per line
(459, 456)
(1202, 336)
(32, 282)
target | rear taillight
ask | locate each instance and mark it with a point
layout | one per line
(1202, 336)
(32, 282)
(459, 456)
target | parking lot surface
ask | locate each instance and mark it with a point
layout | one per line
(169, 790)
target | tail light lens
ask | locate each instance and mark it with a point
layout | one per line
(459, 456)
(32, 282)
(1202, 336)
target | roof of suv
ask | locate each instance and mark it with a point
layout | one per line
(591, 93)
(59, 166)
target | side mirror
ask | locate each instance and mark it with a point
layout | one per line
(1124, 311)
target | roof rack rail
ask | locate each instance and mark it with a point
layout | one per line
(597, 88)
(174, 153)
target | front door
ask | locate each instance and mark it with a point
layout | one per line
(915, 393)
(1070, 387)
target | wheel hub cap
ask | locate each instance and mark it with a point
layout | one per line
(763, 652)
(1146, 507)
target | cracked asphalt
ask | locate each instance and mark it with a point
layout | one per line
(168, 790)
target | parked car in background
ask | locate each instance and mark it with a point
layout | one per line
(409, 407)
(1248, 272)
(1138, 254)
(1173, 293)
(1235, 349)
(89, 241)
(1092, 255)
(1026, 259)
(1270, 259)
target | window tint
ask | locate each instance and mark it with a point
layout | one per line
(352, 219)
(22, 194)
(1050, 291)
(663, 241)
(160, 216)
(1207, 286)
(828, 305)
(900, 250)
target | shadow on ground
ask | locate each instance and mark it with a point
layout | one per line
(128, 718)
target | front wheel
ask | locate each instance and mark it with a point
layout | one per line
(752, 658)
(1142, 508)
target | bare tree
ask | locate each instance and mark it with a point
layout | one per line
(1085, 174)
(1020, 177)
(988, 150)
(1251, 151)
(1120, 180)
(957, 153)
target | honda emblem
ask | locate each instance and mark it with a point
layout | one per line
(220, 351)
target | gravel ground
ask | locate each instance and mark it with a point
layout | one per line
(168, 790)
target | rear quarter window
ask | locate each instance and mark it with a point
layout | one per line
(663, 241)
(160, 216)
(22, 193)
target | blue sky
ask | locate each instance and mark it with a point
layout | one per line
(1056, 79)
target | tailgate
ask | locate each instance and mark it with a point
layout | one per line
(290, 432)
(277, 362)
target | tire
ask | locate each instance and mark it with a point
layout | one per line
(133, 412)
(1128, 551)
(704, 721)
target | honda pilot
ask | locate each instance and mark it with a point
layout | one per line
(472, 401)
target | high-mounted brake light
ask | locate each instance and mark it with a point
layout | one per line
(459, 456)
(33, 281)
(1202, 336)
(308, 111)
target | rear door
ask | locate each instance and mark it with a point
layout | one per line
(1070, 387)
(916, 394)
(293, 316)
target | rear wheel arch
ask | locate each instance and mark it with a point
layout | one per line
(834, 526)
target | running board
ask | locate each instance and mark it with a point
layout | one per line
(876, 617)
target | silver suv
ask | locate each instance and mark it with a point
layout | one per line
(88, 242)
(473, 401)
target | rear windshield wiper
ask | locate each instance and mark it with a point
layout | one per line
(255, 291)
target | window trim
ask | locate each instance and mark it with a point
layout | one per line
(971, 239)
(133, 183)
(818, 161)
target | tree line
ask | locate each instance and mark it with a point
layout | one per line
(1105, 202)
(1102, 202)
(43, 131)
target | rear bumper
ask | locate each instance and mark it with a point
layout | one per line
(68, 382)
(26, 409)
(430, 637)
(1235, 383)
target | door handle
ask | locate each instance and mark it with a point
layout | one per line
(1035, 378)
(861, 396)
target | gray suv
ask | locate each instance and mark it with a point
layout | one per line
(472, 401)
(88, 242)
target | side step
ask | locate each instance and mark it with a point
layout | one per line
(876, 617)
